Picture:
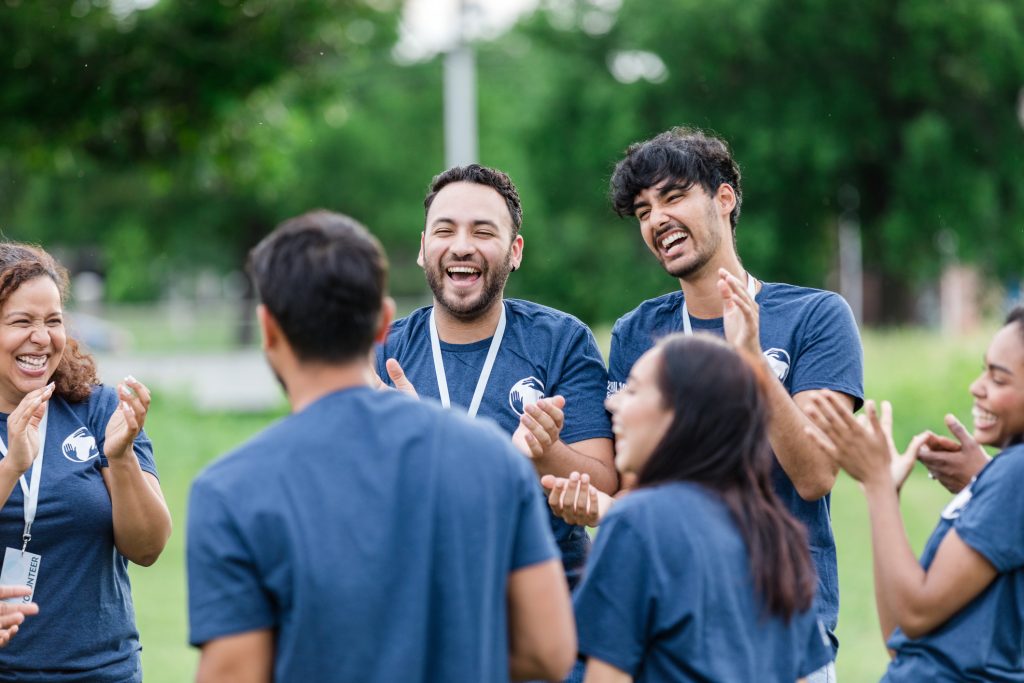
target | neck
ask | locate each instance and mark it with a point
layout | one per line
(454, 330)
(309, 382)
(701, 288)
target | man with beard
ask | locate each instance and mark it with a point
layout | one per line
(683, 187)
(536, 371)
(332, 546)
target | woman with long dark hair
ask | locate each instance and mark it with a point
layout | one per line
(699, 574)
(958, 615)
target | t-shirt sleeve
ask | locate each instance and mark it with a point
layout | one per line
(831, 356)
(991, 522)
(613, 603)
(819, 648)
(225, 594)
(619, 364)
(533, 542)
(584, 383)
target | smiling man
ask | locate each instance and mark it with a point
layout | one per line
(536, 371)
(683, 187)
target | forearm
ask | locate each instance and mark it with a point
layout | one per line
(8, 480)
(142, 523)
(810, 469)
(561, 460)
(898, 575)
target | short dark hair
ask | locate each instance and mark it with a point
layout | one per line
(1016, 315)
(323, 278)
(688, 155)
(481, 175)
(718, 438)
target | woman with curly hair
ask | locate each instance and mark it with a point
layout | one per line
(700, 573)
(78, 486)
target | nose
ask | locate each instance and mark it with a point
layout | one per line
(658, 216)
(39, 335)
(463, 244)
(609, 403)
(978, 386)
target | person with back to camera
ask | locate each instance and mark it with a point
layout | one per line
(367, 537)
(958, 615)
(79, 486)
(700, 574)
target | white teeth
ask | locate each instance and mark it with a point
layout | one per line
(672, 239)
(463, 269)
(35, 362)
(982, 416)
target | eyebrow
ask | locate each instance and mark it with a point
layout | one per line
(999, 368)
(26, 314)
(667, 189)
(478, 221)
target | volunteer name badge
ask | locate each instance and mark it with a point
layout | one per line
(21, 568)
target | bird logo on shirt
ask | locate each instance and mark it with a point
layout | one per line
(778, 359)
(80, 446)
(525, 392)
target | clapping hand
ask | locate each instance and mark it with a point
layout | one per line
(540, 426)
(23, 428)
(128, 418)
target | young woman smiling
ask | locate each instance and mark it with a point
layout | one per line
(958, 614)
(77, 483)
(699, 574)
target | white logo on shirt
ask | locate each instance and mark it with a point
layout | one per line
(80, 446)
(778, 359)
(526, 391)
(957, 505)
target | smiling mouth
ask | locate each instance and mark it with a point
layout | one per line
(673, 238)
(463, 274)
(31, 363)
(982, 418)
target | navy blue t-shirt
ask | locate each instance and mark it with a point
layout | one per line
(668, 601)
(811, 341)
(544, 352)
(374, 534)
(984, 641)
(85, 629)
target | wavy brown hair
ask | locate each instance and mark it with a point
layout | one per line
(20, 263)
(718, 438)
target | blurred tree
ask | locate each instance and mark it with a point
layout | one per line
(910, 106)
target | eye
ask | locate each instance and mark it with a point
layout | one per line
(55, 322)
(642, 214)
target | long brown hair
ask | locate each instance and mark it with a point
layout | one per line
(718, 438)
(19, 263)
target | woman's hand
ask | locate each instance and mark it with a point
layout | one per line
(862, 449)
(23, 428)
(127, 420)
(900, 464)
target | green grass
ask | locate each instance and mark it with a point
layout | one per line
(924, 375)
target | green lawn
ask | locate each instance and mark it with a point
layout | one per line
(923, 374)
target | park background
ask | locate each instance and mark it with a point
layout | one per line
(151, 143)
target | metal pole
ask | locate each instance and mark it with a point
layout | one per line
(460, 131)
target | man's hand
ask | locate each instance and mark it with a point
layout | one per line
(739, 313)
(397, 376)
(575, 500)
(539, 427)
(953, 462)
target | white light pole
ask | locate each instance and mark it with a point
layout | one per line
(460, 133)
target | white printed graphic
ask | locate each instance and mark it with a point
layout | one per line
(80, 446)
(525, 392)
(956, 506)
(779, 360)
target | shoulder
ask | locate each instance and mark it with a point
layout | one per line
(808, 299)
(655, 506)
(1008, 463)
(414, 320)
(532, 314)
(658, 307)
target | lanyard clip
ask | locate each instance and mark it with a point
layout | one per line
(25, 538)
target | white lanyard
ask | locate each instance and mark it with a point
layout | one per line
(31, 490)
(688, 329)
(485, 373)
